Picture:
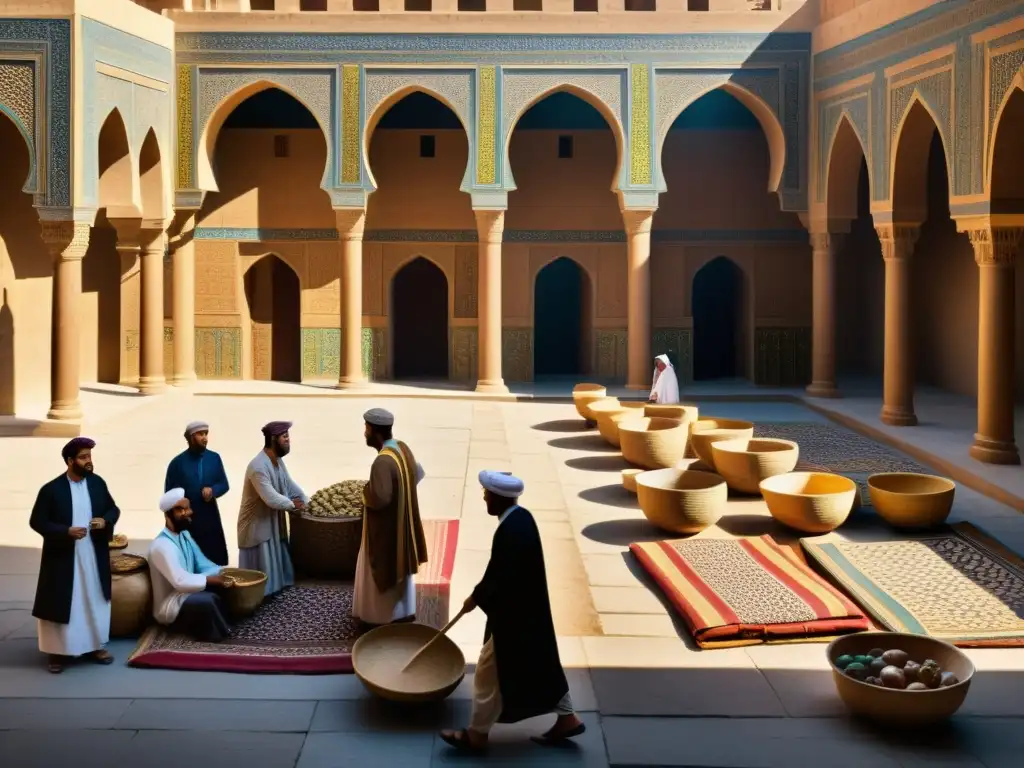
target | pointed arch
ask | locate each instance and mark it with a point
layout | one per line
(152, 189)
(770, 125)
(563, 318)
(30, 180)
(207, 145)
(1016, 85)
(419, 310)
(908, 160)
(846, 153)
(272, 322)
(391, 100)
(118, 186)
(590, 98)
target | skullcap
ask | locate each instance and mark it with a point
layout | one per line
(74, 445)
(172, 497)
(276, 428)
(196, 426)
(502, 483)
(379, 417)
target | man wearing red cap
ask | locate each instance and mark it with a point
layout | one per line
(268, 494)
(75, 514)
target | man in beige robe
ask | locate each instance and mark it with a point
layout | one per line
(393, 546)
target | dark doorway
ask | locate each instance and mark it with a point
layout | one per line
(272, 291)
(560, 330)
(717, 309)
(419, 321)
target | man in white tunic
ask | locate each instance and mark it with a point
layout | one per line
(267, 495)
(665, 388)
(393, 545)
(75, 514)
(185, 581)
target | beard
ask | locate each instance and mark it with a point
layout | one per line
(197, 448)
(83, 470)
(182, 524)
(282, 450)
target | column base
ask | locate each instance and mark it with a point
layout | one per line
(184, 380)
(994, 451)
(642, 387)
(898, 417)
(152, 385)
(65, 411)
(823, 389)
(352, 382)
(494, 386)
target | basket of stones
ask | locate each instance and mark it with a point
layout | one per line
(131, 595)
(325, 536)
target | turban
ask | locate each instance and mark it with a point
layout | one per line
(169, 499)
(74, 445)
(502, 483)
(196, 426)
(276, 428)
(379, 417)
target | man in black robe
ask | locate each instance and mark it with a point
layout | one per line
(519, 674)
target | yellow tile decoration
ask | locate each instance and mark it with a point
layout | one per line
(350, 153)
(640, 125)
(485, 160)
(185, 140)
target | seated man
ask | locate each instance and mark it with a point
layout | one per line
(184, 578)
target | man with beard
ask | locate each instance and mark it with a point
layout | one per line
(75, 514)
(200, 473)
(519, 673)
(269, 492)
(393, 546)
(184, 579)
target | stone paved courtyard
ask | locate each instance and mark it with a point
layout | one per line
(648, 697)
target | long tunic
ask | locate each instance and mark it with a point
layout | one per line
(262, 526)
(177, 568)
(194, 471)
(380, 594)
(86, 625)
(514, 595)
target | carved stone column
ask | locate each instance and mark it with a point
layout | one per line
(490, 225)
(351, 222)
(898, 399)
(638, 237)
(67, 242)
(994, 250)
(152, 246)
(826, 247)
(183, 301)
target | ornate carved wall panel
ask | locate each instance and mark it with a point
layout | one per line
(465, 282)
(454, 87)
(18, 101)
(517, 354)
(218, 352)
(612, 352)
(1005, 63)
(321, 353)
(856, 107)
(782, 356)
(375, 353)
(935, 89)
(216, 276)
(463, 345)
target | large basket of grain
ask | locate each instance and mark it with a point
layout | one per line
(325, 536)
(131, 595)
(244, 591)
(585, 394)
(652, 443)
(379, 656)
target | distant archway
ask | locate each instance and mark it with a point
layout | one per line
(272, 292)
(116, 169)
(419, 321)
(561, 320)
(151, 179)
(717, 320)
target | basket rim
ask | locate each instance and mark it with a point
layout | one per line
(830, 653)
(730, 446)
(711, 487)
(852, 485)
(669, 424)
(336, 519)
(950, 484)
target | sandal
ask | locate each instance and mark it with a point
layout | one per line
(552, 739)
(55, 665)
(102, 656)
(460, 741)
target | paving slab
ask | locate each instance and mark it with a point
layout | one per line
(60, 714)
(217, 715)
(359, 750)
(223, 749)
(68, 749)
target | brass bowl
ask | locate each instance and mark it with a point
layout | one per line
(378, 658)
(812, 502)
(745, 463)
(684, 501)
(900, 707)
(910, 500)
(652, 443)
(704, 432)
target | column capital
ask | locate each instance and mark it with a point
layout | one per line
(490, 224)
(827, 242)
(995, 246)
(638, 220)
(152, 240)
(351, 222)
(66, 240)
(897, 240)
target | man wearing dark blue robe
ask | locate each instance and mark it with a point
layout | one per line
(200, 472)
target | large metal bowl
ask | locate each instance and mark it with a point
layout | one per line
(379, 656)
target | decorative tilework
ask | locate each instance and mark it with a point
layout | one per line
(936, 91)
(463, 345)
(351, 131)
(263, 234)
(451, 86)
(612, 353)
(186, 146)
(792, 108)
(51, 40)
(838, 449)
(321, 353)
(782, 356)
(640, 125)
(466, 283)
(18, 97)
(374, 353)
(856, 108)
(1003, 68)
(517, 354)
(487, 96)
(218, 353)
(677, 343)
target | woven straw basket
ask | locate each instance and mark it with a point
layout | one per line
(609, 412)
(680, 411)
(909, 500)
(745, 463)
(652, 443)
(131, 595)
(325, 547)
(704, 432)
(246, 591)
(585, 394)
(684, 501)
(379, 656)
(812, 502)
(629, 478)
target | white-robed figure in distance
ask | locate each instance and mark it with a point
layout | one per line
(268, 494)
(665, 388)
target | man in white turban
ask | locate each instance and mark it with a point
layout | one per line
(519, 673)
(665, 388)
(184, 579)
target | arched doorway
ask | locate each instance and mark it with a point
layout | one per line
(419, 321)
(561, 320)
(272, 292)
(717, 303)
